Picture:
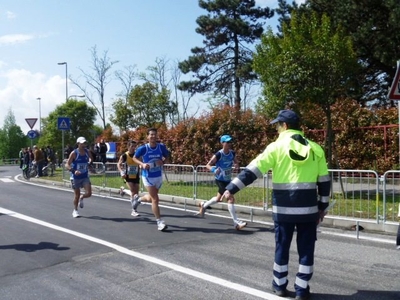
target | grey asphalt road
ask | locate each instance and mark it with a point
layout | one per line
(107, 254)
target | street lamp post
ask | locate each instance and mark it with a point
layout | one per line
(66, 79)
(66, 98)
(40, 116)
(75, 96)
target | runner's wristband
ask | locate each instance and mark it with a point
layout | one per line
(72, 170)
(213, 169)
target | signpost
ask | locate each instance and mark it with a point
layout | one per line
(63, 124)
(394, 94)
(31, 133)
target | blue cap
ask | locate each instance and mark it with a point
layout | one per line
(287, 116)
(225, 138)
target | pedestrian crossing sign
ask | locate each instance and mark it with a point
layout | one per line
(63, 123)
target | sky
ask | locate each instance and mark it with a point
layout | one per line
(36, 35)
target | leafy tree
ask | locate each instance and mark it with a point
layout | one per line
(82, 118)
(312, 62)
(12, 139)
(224, 64)
(149, 105)
(122, 114)
(374, 27)
(97, 82)
(166, 75)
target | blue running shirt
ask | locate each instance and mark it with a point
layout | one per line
(150, 156)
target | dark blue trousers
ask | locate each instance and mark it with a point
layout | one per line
(306, 237)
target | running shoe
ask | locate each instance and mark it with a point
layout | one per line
(135, 202)
(201, 209)
(81, 202)
(134, 213)
(161, 225)
(240, 225)
(121, 191)
(75, 214)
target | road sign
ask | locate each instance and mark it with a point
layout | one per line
(63, 123)
(32, 134)
(31, 122)
(394, 93)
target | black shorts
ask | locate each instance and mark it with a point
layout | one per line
(133, 180)
(221, 185)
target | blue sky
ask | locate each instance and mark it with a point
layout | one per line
(35, 35)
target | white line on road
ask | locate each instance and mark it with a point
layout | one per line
(174, 267)
(326, 231)
(6, 180)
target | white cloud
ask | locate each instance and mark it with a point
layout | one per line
(20, 93)
(10, 39)
(10, 15)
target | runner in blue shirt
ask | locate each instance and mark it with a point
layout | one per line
(78, 162)
(151, 158)
(221, 165)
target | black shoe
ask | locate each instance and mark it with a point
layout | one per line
(280, 293)
(304, 297)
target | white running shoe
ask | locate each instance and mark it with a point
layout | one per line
(134, 213)
(398, 247)
(161, 225)
(81, 202)
(201, 209)
(75, 214)
(240, 225)
(121, 191)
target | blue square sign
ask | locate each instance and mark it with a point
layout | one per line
(63, 123)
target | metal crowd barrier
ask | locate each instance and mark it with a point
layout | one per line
(359, 194)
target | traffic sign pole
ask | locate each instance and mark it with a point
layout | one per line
(394, 94)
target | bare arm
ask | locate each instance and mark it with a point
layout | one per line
(71, 158)
(120, 162)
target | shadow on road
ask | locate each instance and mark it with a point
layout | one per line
(34, 247)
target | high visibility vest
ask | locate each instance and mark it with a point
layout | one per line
(300, 178)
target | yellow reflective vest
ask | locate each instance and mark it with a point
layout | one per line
(300, 178)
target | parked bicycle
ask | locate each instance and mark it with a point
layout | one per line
(31, 170)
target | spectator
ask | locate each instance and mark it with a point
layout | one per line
(103, 151)
(39, 159)
(27, 162)
(67, 151)
(21, 157)
(51, 159)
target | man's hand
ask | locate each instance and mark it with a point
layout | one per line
(322, 214)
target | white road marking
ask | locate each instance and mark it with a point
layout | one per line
(6, 180)
(174, 267)
(320, 230)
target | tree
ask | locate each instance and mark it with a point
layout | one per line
(122, 114)
(82, 118)
(374, 27)
(12, 139)
(97, 81)
(311, 62)
(166, 76)
(224, 63)
(150, 105)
